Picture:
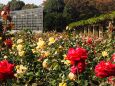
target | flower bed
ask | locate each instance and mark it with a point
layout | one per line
(52, 59)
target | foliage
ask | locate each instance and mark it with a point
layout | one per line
(75, 10)
(29, 6)
(69, 14)
(93, 20)
(53, 15)
(16, 5)
(54, 21)
(103, 6)
(54, 6)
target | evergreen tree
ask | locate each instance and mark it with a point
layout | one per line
(54, 6)
(53, 15)
(70, 14)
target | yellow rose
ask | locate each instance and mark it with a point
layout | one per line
(51, 40)
(19, 41)
(62, 84)
(13, 46)
(45, 54)
(18, 75)
(40, 44)
(21, 53)
(104, 54)
(72, 76)
(20, 47)
(17, 67)
(45, 64)
(64, 56)
(0, 38)
(33, 50)
(5, 57)
(21, 69)
(12, 38)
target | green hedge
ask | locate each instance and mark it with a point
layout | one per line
(93, 20)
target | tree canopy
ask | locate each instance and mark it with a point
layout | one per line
(29, 6)
(16, 5)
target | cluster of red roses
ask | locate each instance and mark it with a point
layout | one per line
(6, 70)
(5, 15)
(8, 43)
(105, 69)
(77, 58)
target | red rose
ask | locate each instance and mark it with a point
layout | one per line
(8, 43)
(89, 41)
(76, 54)
(81, 53)
(79, 68)
(6, 70)
(105, 69)
(113, 57)
(74, 69)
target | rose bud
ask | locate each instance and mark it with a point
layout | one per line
(72, 76)
(45, 64)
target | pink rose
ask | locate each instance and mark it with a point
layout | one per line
(89, 41)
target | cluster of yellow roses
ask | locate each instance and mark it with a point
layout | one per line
(20, 71)
(20, 47)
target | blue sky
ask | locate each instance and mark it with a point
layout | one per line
(37, 2)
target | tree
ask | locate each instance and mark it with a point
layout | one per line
(53, 15)
(16, 5)
(29, 6)
(85, 8)
(70, 14)
(54, 6)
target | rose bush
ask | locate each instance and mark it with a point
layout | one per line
(68, 59)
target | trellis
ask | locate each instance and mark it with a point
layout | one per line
(30, 19)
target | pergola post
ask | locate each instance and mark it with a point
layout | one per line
(110, 29)
(100, 31)
(93, 30)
